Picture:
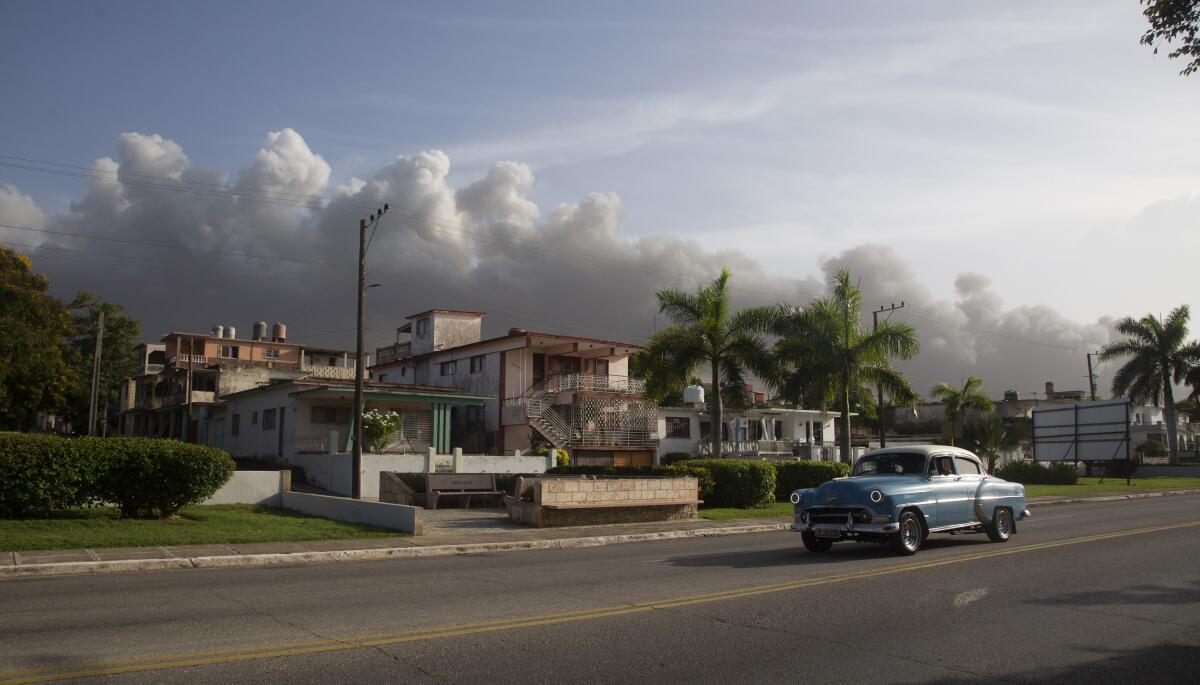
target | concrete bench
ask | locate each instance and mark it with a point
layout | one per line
(438, 485)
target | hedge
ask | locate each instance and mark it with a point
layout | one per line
(141, 476)
(794, 475)
(1032, 473)
(739, 483)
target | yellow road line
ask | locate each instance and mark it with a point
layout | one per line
(232, 655)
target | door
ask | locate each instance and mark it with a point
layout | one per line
(539, 367)
(218, 437)
(282, 413)
(952, 496)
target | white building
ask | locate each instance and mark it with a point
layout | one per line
(768, 432)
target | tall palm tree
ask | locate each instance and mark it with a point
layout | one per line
(987, 436)
(1159, 357)
(956, 401)
(706, 332)
(825, 354)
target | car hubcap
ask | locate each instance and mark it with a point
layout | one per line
(1002, 525)
(912, 534)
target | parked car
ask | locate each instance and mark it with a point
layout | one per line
(900, 495)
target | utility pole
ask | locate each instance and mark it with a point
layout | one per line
(96, 374)
(1092, 376)
(187, 422)
(359, 371)
(882, 409)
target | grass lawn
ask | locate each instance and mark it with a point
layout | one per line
(199, 525)
(1112, 486)
(726, 513)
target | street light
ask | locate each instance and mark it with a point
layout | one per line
(356, 465)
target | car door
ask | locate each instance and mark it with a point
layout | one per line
(952, 500)
(970, 474)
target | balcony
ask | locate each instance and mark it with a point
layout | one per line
(393, 352)
(337, 373)
(592, 383)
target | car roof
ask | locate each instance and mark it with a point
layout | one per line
(922, 449)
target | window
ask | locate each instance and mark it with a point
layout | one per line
(679, 427)
(600, 367)
(270, 353)
(474, 415)
(235, 424)
(268, 419)
(383, 378)
(941, 466)
(422, 328)
(332, 361)
(403, 371)
(335, 415)
(448, 368)
(477, 363)
(254, 418)
(966, 466)
(229, 351)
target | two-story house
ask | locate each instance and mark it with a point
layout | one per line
(186, 375)
(571, 392)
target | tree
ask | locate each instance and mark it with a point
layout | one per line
(707, 333)
(826, 356)
(986, 435)
(118, 355)
(664, 386)
(35, 365)
(957, 401)
(1171, 21)
(1159, 357)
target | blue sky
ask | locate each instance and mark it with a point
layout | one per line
(1037, 144)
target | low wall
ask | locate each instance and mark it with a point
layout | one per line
(394, 516)
(588, 501)
(253, 487)
(1176, 471)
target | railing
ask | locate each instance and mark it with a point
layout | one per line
(317, 443)
(148, 369)
(615, 438)
(754, 448)
(185, 359)
(595, 383)
(333, 372)
(385, 355)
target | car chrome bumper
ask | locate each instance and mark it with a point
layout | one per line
(1024, 515)
(848, 530)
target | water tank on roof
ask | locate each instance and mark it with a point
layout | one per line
(260, 330)
(218, 331)
(693, 394)
(279, 333)
(230, 332)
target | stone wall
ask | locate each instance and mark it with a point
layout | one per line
(613, 490)
(589, 501)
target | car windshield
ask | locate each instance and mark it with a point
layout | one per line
(898, 464)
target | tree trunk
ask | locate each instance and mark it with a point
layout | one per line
(1169, 418)
(844, 443)
(715, 409)
(953, 430)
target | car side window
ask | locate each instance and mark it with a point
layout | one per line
(967, 466)
(941, 466)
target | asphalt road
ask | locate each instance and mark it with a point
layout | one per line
(1084, 593)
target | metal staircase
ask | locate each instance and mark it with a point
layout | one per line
(539, 409)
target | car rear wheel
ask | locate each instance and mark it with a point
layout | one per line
(815, 544)
(907, 540)
(1001, 527)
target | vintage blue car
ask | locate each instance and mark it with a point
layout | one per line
(899, 495)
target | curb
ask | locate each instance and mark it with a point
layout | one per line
(1113, 498)
(296, 558)
(293, 558)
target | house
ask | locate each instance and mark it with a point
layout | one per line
(565, 391)
(188, 374)
(758, 432)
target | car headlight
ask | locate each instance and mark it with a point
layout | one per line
(795, 498)
(876, 496)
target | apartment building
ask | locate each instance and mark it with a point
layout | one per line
(571, 392)
(184, 377)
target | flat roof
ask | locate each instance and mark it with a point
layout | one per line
(514, 336)
(370, 391)
(445, 311)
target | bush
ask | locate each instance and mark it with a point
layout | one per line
(739, 483)
(675, 457)
(704, 479)
(142, 476)
(149, 478)
(1033, 473)
(40, 473)
(793, 475)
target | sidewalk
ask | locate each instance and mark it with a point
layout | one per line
(449, 532)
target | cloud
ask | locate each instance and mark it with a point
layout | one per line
(264, 247)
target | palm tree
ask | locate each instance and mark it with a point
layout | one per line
(826, 355)
(1160, 357)
(706, 332)
(958, 401)
(986, 435)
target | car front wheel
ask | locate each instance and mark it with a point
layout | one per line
(907, 540)
(815, 544)
(1001, 527)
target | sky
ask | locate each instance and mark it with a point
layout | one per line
(1021, 174)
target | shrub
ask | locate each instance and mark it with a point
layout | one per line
(40, 473)
(149, 478)
(1033, 473)
(562, 458)
(704, 479)
(793, 475)
(739, 483)
(675, 457)
(379, 427)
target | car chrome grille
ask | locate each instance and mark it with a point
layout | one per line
(832, 514)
